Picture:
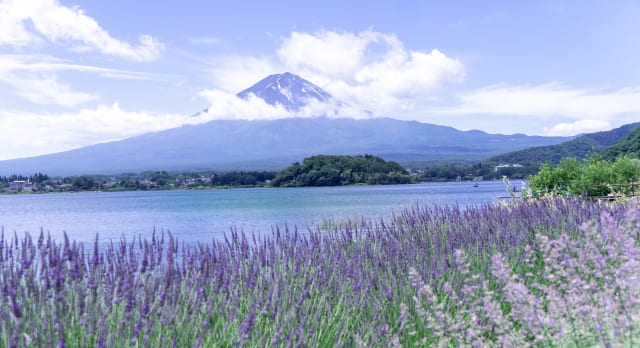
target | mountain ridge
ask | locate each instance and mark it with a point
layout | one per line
(578, 147)
(273, 144)
(629, 145)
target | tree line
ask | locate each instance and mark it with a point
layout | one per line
(148, 180)
(35, 178)
(596, 176)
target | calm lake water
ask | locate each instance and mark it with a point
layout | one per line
(200, 216)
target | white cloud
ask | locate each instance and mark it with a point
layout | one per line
(48, 133)
(547, 101)
(49, 64)
(21, 21)
(12, 29)
(559, 109)
(578, 127)
(33, 77)
(235, 73)
(45, 89)
(332, 54)
(368, 70)
(227, 106)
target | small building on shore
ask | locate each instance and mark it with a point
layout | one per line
(22, 186)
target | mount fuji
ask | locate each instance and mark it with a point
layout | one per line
(289, 90)
(274, 144)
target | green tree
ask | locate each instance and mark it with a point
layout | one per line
(595, 177)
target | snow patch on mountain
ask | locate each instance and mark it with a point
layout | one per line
(289, 90)
(275, 97)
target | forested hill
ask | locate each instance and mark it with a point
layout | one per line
(629, 145)
(323, 170)
(577, 148)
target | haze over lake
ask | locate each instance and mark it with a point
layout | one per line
(200, 216)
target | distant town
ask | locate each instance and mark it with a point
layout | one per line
(159, 180)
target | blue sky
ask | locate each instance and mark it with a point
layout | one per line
(75, 73)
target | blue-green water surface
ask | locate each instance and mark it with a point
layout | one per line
(200, 216)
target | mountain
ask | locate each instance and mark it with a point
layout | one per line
(289, 90)
(629, 145)
(274, 144)
(578, 148)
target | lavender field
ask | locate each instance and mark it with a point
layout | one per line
(550, 272)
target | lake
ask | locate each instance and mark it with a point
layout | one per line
(200, 216)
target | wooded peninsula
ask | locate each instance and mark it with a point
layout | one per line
(323, 170)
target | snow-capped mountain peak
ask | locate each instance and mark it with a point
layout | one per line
(289, 90)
